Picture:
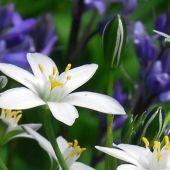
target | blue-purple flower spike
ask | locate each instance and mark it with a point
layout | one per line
(19, 36)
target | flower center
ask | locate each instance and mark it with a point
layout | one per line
(53, 77)
(73, 150)
(157, 146)
(10, 116)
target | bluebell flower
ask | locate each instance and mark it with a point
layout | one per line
(144, 45)
(19, 36)
(99, 5)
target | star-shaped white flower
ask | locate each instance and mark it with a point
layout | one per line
(46, 86)
(9, 127)
(141, 158)
(71, 151)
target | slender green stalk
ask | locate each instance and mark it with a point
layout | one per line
(109, 161)
(2, 165)
(51, 136)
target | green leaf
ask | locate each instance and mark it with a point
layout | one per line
(114, 40)
(153, 124)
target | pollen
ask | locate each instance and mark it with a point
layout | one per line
(41, 68)
(68, 68)
(156, 145)
(68, 77)
(54, 71)
(75, 142)
(9, 115)
(145, 141)
(158, 156)
(80, 151)
(56, 84)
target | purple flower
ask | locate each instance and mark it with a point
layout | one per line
(162, 23)
(99, 5)
(119, 95)
(144, 45)
(19, 36)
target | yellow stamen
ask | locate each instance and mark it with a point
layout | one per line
(158, 156)
(41, 68)
(68, 68)
(68, 77)
(3, 112)
(18, 118)
(54, 70)
(166, 138)
(80, 151)
(15, 113)
(75, 142)
(70, 144)
(156, 145)
(56, 83)
(145, 141)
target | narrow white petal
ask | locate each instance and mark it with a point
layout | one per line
(162, 34)
(141, 154)
(62, 143)
(117, 153)
(43, 142)
(95, 101)
(19, 98)
(79, 76)
(47, 63)
(129, 167)
(80, 166)
(20, 75)
(63, 112)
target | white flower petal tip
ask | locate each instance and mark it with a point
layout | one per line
(19, 99)
(80, 166)
(162, 34)
(95, 101)
(64, 112)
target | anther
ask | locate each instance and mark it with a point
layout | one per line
(68, 68)
(156, 145)
(68, 77)
(41, 68)
(145, 141)
(75, 143)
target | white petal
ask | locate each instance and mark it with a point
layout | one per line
(63, 112)
(129, 167)
(62, 143)
(95, 101)
(162, 34)
(43, 142)
(20, 75)
(35, 59)
(80, 166)
(141, 154)
(19, 98)
(79, 76)
(117, 153)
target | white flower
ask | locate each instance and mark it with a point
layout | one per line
(70, 151)
(9, 127)
(46, 86)
(141, 158)
(167, 37)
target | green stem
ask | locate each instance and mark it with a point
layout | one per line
(109, 161)
(51, 136)
(2, 165)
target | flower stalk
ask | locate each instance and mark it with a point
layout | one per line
(51, 136)
(109, 163)
(2, 165)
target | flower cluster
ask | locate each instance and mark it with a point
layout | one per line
(141, 158)
(19, 36)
